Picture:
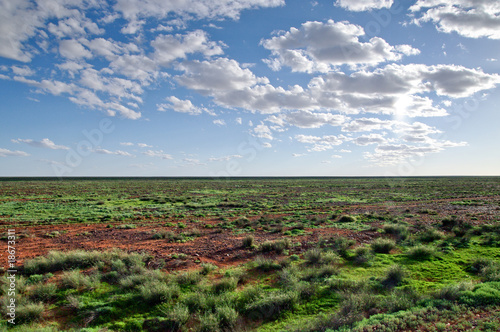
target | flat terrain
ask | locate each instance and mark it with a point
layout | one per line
(184, 225)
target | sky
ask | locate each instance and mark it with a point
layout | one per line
(234, 88)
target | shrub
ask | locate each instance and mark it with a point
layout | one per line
(266, 264)
(188, 278)
(248, 241)
(341, 245)
(394, 276)
(383, 246)
(176, 316)
(278, 246)
(206, 268)
(74, 303)
(313, 256)
(44, 292)
(400, 299)
(272, 305)
(195, 301)
(126, 226)
(430, 235)
(399, 231)
(362, 255)
(227, 315)
(478, 264)
(209, 322)
(154, 292)
(75, 279)
(453, 292)
(29, 312)
(450, 222)
(224, 285)
(421, 252)
(347, 218)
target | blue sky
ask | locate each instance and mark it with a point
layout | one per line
(249, 87)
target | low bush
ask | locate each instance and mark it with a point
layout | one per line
(399, 231)
(453, 292)
(382, 246)
(394, 276)
(347, 218)
(29, 312)
(421, 252)
(272, 305)
(266, 264)
(277, 246)
(362, 255)
(224, 285)
(430, 235)
(209, 322)
(206, 268)
(176, 316)
(44, 292)
(227, 316)
(155, 292)
(248, 242)
(76, 280)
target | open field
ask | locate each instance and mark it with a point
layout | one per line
(277, 254)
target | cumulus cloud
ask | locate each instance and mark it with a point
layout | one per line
(216, 76)
(262, 131)
(369, 139)
(170, 47)
(44, 143)
(362, 5)
(469, 18)
(225, 158)
(9, 153)
(219, 122)
(133, 10)
(307, 119)
(72, 49)
(157, 154)
(390, 154)
(323, 143)
(320, 47)
(117, 152)
(178, 105)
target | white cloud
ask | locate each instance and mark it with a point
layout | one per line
(144, 145)
(219, 122)
(72, 49)
(117, 152)
(44, 143)
(192, 162)
(157, 153)
(178, 105)
(296, 155)
(132, 10)
(307, 119)
(362, 5)
(23, 71)
(9, 153)
(369, 139)
(239, 120)
(367, 124)
(127, 144)
(320, 47)
(320, 143)
(469, 18)
(225, 158)
(216, 76)
(170, 47)
(390, 154)
(262, 131)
